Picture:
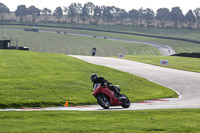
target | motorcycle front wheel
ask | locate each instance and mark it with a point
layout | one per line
(126, 102)
(103, 101)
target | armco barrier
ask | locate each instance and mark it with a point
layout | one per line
(193, 55)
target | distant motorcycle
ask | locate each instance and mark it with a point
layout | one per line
(93, 51)
(106, 97)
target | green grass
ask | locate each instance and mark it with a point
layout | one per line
(162, 121)
(178, 46)
(31, 79)
(82, 45)
(182, 63)
(180, 33)
(77, 45)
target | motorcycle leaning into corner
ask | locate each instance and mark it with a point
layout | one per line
(106, 97)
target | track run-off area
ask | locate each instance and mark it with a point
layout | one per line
(185, 84)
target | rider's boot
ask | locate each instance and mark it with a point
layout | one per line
(120, 96)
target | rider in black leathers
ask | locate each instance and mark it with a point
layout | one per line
(95, 79)
(93, 51)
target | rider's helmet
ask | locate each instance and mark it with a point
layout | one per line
(93, 77)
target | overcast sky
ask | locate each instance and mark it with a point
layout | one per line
(185, 5)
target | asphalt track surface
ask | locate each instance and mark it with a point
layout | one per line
(186, 84)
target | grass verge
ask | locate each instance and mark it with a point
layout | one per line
(182, 63)
(31, 79)
(180, 33)
(178, 46)
(162, 121)
(77, 45)
(81, 45)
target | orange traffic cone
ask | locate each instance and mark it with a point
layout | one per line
(66, 104)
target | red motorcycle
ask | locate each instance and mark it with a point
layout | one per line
(106, 97)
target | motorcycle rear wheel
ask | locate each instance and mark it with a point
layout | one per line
(103, 101)
(126, 103)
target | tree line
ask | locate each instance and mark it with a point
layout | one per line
(93, 14)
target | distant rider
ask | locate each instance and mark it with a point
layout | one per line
(93, 51)
(95, 79)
